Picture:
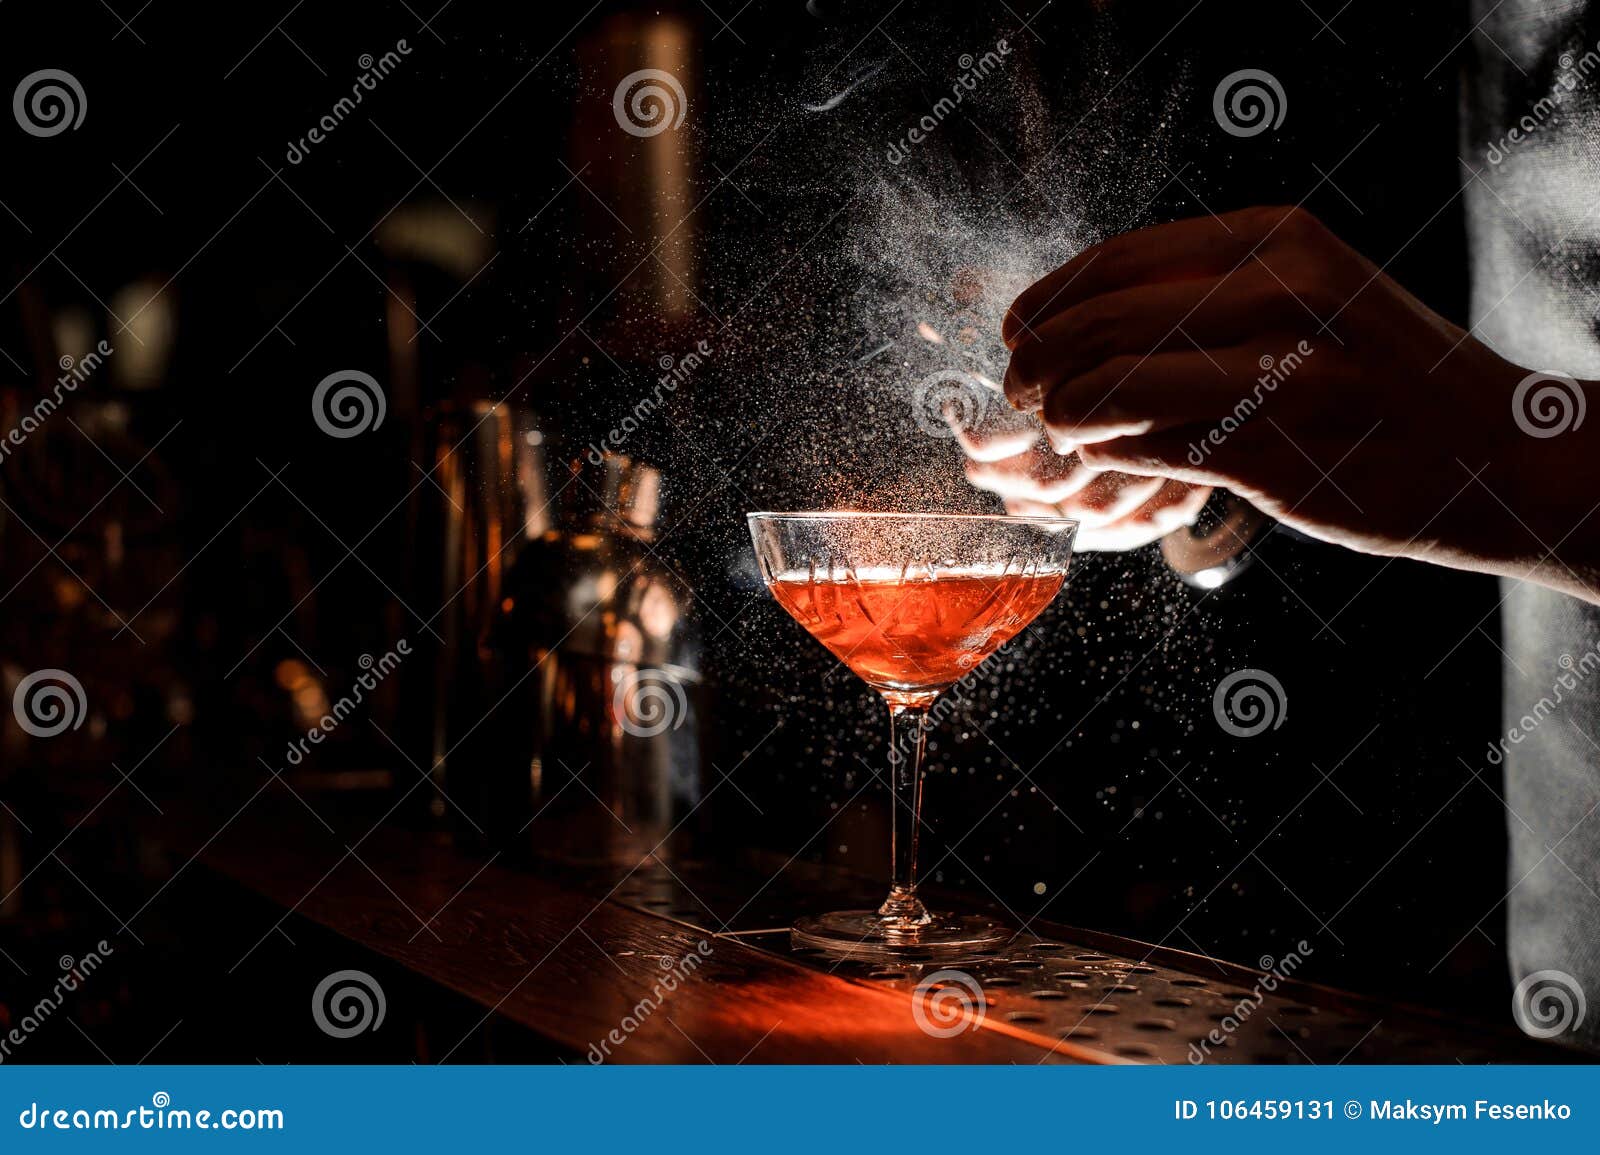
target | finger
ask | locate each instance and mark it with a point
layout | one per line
(1021, 507)
(1130, 396)
(1197, 247)
(1175, 505)
(1186, 505)
(996, 433)
(1235, 308)
(1035, 475)
(1110, 497)
(1119, 538)
(1176, 454)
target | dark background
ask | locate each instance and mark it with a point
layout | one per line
(483, 189)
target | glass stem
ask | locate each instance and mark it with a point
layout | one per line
(907, 733)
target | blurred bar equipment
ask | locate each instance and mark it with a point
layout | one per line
(90, 556)
(566, 655)
(565, 676)
(466, 527)
(1216, 548)
(608, 625)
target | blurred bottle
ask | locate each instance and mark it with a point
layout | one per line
(564, 681)
(91, 559)
(464, 701)
(606, 627)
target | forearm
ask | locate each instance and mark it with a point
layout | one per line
(1541, 501)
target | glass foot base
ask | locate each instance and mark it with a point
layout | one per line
(867, 934)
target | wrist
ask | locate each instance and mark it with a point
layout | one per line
(1545, 480)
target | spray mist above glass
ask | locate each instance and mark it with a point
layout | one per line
(969, 194)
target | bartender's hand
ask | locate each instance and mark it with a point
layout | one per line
(1259, 352)
(1114, 510)
(1007, 454)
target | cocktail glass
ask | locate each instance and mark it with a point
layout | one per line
(912, 603)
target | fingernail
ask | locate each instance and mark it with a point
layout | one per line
(1026, 399)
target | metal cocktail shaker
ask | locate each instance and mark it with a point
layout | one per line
(607, 627)
(564, 684)
(1216, 548)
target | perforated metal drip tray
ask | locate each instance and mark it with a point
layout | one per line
(1099, 998)
(1124, 1008)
